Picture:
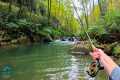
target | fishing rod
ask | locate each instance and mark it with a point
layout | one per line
(94, 66)
(81, 23)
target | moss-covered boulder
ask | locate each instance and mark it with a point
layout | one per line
(116, 50)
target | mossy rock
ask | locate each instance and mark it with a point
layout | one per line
(116, 50)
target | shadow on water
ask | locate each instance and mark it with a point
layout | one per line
(42, 62)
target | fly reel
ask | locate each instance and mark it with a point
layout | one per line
(94, 68)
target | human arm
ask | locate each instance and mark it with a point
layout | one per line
(109, 65)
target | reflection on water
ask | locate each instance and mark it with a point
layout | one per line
(74, 72)
(78, 69)
(43, 62)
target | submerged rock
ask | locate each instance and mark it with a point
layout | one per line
(80, 51)
(80, 48)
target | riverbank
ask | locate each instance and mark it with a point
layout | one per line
(12, 37)
(83, 48)
(12, 40)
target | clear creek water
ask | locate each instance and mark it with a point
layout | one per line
(43, 62)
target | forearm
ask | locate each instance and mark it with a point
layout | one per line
(108, 63)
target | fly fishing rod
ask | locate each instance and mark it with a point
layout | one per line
(82, 25)
(94, 66)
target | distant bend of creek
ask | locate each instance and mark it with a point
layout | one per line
(43, 62)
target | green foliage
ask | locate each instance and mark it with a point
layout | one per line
(61, 21)
(12, 25)
(56, 32)
(82, 35)
(112, 20)
(116, 50)
(95, 31)
(24, 23)
(114, 28)
(55, 18)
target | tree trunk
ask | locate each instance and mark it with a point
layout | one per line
(10, 5)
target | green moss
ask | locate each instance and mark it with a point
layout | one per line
(116, 50)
